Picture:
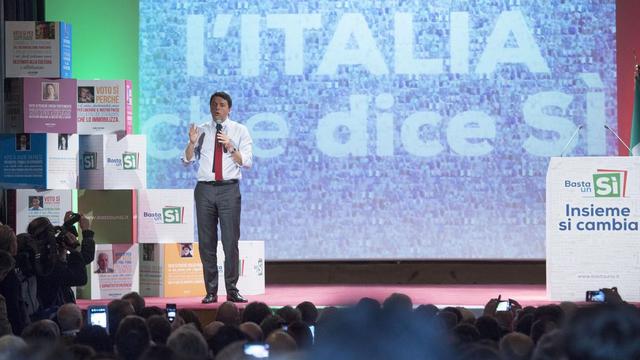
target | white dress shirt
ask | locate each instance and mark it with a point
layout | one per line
(204, 150)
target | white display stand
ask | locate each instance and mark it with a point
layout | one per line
(107, 162)
(167, 271)
(592, 219)
(165, 216)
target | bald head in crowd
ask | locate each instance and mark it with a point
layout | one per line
(69, 318)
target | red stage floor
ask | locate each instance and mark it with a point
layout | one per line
(470, 296)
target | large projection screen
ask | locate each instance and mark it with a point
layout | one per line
(385, 130)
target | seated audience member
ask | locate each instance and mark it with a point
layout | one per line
(211, 329)
(354, 333)
(455, 311)
(604, 332)
(81, 352)
(188, 343)
(397, 302)
(427, 312)
(488, 328)
(541, 327)
(10, 346)
(132, 338)
(190, 317)
(516, 346)
(301, 333)
(69, 317)
(468, 316)
(366, 304)
(45, 351)
(309, 312)
(465, 334)
(41, 332)
(225, 336)
(136, 301)
(446, 320)
(271, 324)
(228, 314)
(159, 329)
(256, 312)
(158, 352)
(149, 311)
(550, 346)
(96, 337)
(252, 331)
(568, 309)
(289, 314)
(523, 324)
(505, 321)
(116, 311)
(234, 351)
(552, 313)
(479, 351)
(280, 344)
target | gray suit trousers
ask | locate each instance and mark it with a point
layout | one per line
(221, 203)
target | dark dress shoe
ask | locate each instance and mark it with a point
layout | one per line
(236, 298)
(210, 298)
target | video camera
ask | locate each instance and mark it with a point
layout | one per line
(38, 250)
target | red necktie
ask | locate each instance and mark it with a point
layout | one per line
(217, 159)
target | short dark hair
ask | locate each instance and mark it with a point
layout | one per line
(221, 94)
(136, 300)
(132, 337)
(308, 311)
(256, 312)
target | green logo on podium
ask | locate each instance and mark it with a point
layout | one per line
(130, 161)
(172, 214)
(607, 185)
(89, 161)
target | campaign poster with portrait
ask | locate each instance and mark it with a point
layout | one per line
(105, 107)
(39, 161)
(37, 49)
(113, 273)
(31, 204)
(175, 270)
(38, 105)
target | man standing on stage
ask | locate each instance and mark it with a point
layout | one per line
(221, 148)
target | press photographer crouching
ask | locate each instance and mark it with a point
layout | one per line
(53, 256)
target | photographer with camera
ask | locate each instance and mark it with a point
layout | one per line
(59, 260)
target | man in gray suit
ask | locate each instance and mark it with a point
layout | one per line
(221, 147)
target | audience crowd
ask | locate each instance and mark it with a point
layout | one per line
(393, 329)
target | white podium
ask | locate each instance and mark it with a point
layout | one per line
(592, 221)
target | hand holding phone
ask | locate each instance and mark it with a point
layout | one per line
(595, 296)
(97, 315)
(171, 312)
(504, 305)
